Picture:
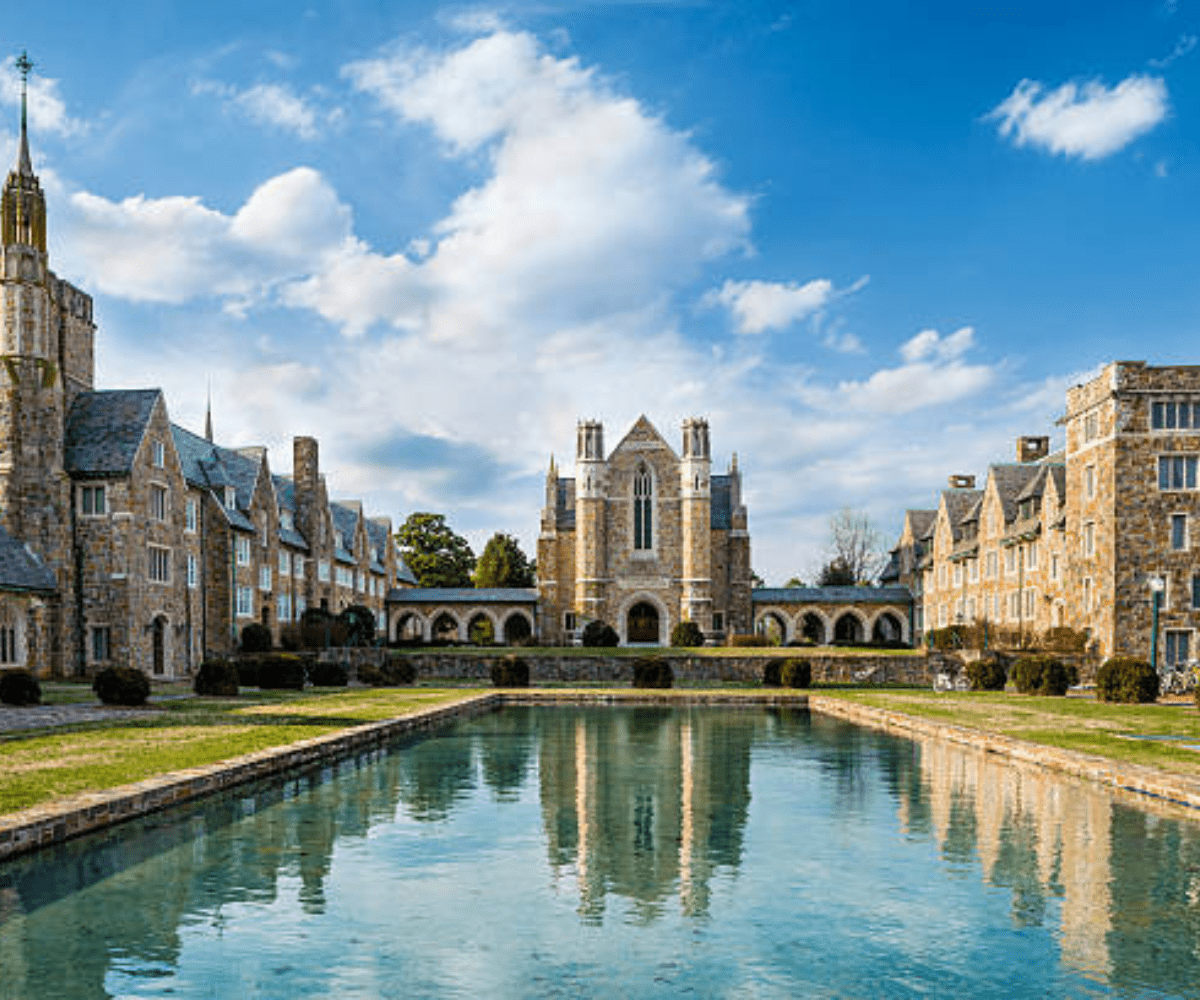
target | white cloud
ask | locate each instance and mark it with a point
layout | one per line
(1185, 45)
(758, 306)
(272, 104)
(1089, 121)
(1160, 168)
(47, 112)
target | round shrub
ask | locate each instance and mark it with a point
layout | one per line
(399, 670)
(281, 671)
(255, 638)
(359, 623)
(1127, 679)
(328, 675)
(19, 687)
(371, 675)
(598, 633)
(1041, 675)
(652, 672)
(771, 673)
(121, 686)
(510, 672)
(686, 635)
(987, 674)
(796, 673)
(216, 677)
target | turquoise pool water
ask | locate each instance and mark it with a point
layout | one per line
(624, 852)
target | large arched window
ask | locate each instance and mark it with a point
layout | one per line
(643, 509)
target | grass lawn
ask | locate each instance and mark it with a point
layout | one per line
(1075, 723)
(634, 651)
(39, 766)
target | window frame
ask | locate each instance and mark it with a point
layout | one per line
(158, 558)
(88, 495)
(160, 502)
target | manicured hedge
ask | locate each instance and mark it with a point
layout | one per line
(1127, 679)
(19, 687)
(255, 638)
(121, 686)
(328, 675)
(599, 634)
(687, 635)
(796, 673)
(281, 671)
(216, 677)
(987, 674)
(1041, 675)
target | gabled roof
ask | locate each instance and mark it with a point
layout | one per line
(105, 429)
(1010, 481)
(958, 505)
(922, 522)
(20, 569)
(642, 428)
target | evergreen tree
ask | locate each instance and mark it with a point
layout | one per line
(435, 554)
(503, 564)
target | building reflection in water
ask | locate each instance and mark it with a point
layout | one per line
(647, 806)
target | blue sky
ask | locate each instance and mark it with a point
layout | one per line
(873, 243)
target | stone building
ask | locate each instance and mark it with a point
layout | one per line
(125, 538)
(1076, 538)
(643, 538)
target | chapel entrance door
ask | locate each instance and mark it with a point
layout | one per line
(643, 623)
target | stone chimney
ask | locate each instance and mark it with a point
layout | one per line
(962, 482)
(1032, 449)
(307, 476)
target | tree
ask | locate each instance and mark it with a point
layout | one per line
(503, 564)
(756, 580)
(855, 548)
(794, 583)
(836, 573)
(436, 555)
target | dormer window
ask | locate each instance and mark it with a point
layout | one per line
(286, 521)
(230, 498)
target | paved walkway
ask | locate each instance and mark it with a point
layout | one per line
(14, 720)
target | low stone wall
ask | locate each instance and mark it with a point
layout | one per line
(876, 668)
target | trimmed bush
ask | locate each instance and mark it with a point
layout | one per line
(216, 677)
(750, 640)
(247, 671)
(291, 639)
(328, 675)
(398, 670)
(319, 629)
(1127, 679)
(121, 686)
(1063, 639)
(686, 635)
(281, 671)
(510, 672)
(597, 633)
(987, 674)
(359, 622)
(371, 675)
(255, 638)
(1041, 675)
(796, 673)
(771, 673)
(652, 672)
(19, 687)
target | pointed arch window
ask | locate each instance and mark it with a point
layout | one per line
(643, 509)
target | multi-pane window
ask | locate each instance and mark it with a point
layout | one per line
(241, 548)
(323, 570)
(245, 602)
(958, 574)
(1089, 538)
(971, 609)
(158, 502)
(992, 563)
(160, 564)
(1175, 415)
(193, 574)
(160, 454)
(1195, 592)
(191, 514)
(298, 566)
(286, 521)
(1014, 605)
(101, 643)
(973, 565)
(230, 498)
(1030, 602)
(1010, 560)
(285, 607)
(284, 567)
(718, 621)
(643, 509)
(9, 650)
(1089, 481)
(264, 578)
(1177, 472)
(1032, 558)
(1179, 532)
(1178, 647)
(1091, 426)
(301, 607)
(92, 501)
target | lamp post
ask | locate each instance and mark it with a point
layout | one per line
(1157, 585)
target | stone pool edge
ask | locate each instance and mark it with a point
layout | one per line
(1132, 779)
(89, 812)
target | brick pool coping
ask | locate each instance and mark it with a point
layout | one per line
(87, 812)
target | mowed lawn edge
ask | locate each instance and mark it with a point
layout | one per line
(1075, 724)
(50, 768)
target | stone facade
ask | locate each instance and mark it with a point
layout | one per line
(1075, 538)
(125, 539)
(643, 538)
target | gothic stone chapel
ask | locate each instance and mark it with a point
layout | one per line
(643, 538)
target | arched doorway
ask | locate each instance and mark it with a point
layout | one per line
(774, 628)
(848, 629)
(887, 628)
(642, 624)
(409, 628)
(158, 631)
(445, 628)
(516, 628)
(813, 628)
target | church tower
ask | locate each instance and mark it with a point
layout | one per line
(695, 493)
(591, 534)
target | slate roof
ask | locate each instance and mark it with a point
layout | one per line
(922, 522)
(1010, 481)
(958, 505)
(403, 572)
(104, 430)
(830, 595)
(464, 595)
(20, 569)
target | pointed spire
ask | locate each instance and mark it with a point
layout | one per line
(733, 465)
(24, 165)
(553, 473)
(208, 433)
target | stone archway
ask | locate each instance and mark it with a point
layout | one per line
(887, 628)
(517, 628)
(773, 626)
(848, 628)
(642, 623)
(444, 628)
(409, 627)
(812, 627)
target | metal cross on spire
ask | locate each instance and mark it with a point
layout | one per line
(24, 64)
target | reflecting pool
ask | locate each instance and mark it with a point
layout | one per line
(624, 852)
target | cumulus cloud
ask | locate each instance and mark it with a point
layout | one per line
(271, 104)
(1090, 121)
(47, 112)
(758, 306)
(1185, 45)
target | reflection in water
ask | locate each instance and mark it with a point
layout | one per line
(723, 844)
